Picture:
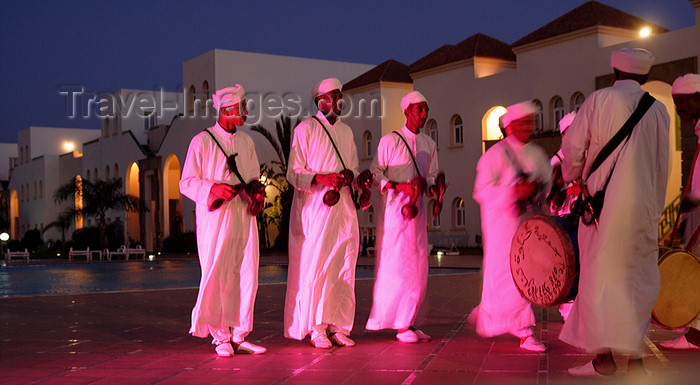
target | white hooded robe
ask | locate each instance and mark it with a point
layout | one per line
(227, 238)
(402, 245)
(619, 279)
(323, 241)
(502, 308)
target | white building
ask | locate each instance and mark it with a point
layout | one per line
(558, 65)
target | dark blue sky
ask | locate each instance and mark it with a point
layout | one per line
(106, 45)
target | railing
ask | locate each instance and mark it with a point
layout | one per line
(669, 216)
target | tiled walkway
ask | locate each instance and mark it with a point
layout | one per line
(141, 338)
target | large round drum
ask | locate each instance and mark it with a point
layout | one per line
(679, 299)
(543, 261)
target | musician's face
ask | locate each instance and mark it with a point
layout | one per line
(234, 115)
(522, 128)
(328, 103)
(416, 115)
(688, 106)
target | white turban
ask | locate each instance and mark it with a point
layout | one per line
(566, 121)
(228, 96)
(686, 84)
(518, 111)
(326, 85)
(632, 60)
(413, 97)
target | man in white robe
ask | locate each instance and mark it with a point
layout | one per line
(619, 278)
(323, 240)
(402, 244)
(686, 97)
(512, 179)
(227, 236)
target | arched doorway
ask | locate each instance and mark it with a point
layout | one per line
(490, 128)
(14, 215)
(172, 215)
(662, 92)
(132, 233)
(79, 202)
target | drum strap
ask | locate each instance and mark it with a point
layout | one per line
(624, 133)
(230, 159)
(413, 158)
(353, 194)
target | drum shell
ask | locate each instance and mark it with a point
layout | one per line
(544, 261)
(678, 303)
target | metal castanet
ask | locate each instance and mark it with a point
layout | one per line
(410, 209)
(332, 196)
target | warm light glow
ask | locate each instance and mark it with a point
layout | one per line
(151, 257)
(646, 31)
(68, 146)
(4, 237)
(493, 131)
(263, 179)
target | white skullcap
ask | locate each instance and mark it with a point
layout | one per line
(228, 96)
(326, 85)
(518, 111)
(566, 121)
(632, 60)
(686, 84)
(413, 97)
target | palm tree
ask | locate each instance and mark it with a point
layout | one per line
(98, 198)
(63, 222)
(280, 209)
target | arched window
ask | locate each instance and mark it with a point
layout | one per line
(432, 223)
(35, 193)
(577, 101)
(205, 94)
(107, 173)
(190, 99)
(26, 154)
(432, 130)
(115, 124)
(367, 144)
(459, 213)
(116, 171)
(87, 175)
(557, 111)
(41, 189)
(21, 155)
(21, 193)
(457, 131)
(96, 177)
(539, 126)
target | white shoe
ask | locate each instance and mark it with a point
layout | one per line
(680, 343)
(532, 344)
(341, 339)
(225, 349)
(588, 370)
(321, 342)
(407, 337)
(565, 309)
(246, 347)
(421, 336)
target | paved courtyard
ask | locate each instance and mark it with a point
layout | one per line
(140, 337)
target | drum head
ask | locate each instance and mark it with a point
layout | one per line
(679, 299)
(542, 261)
